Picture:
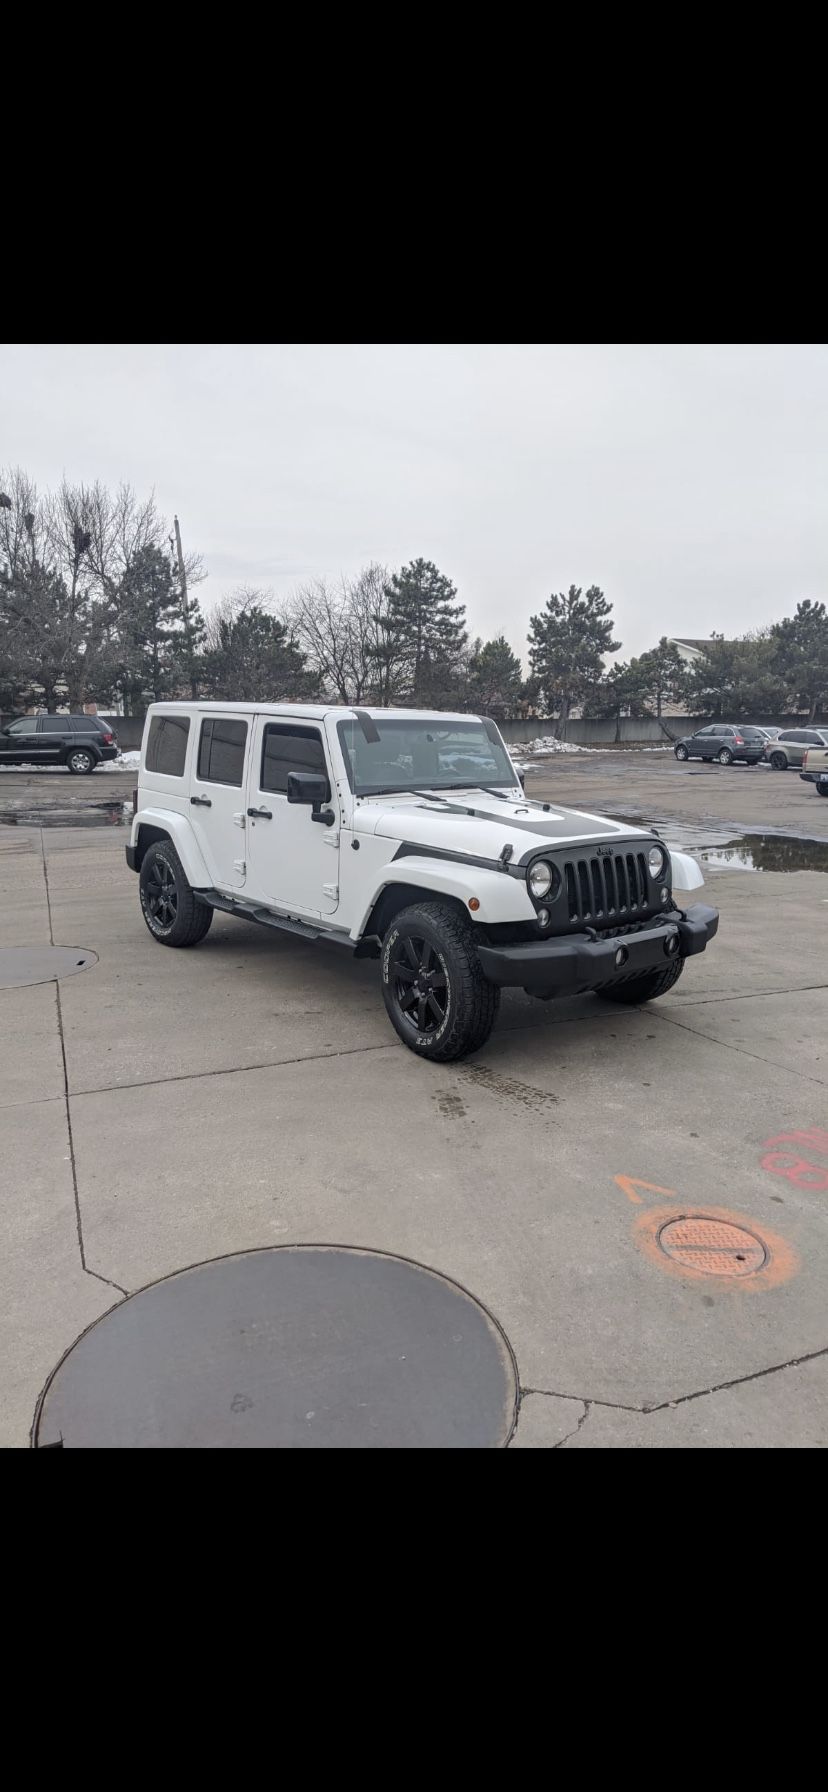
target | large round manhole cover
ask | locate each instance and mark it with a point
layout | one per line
(714, 1246)
(21, 965)
(299, 1347)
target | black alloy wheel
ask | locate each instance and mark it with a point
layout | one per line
(161, 893)
(419, 984)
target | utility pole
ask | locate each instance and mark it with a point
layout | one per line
(185, 608)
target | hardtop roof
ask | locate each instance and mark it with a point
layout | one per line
(315, 712)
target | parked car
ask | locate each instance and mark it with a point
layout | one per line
(355, 827)
(769, 733)
(815, 769)
(791, 746)
(78, 742)
(723, 741)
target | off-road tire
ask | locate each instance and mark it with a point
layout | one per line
(645, 987)
(81, 761)
(779, 762)
(472, 1001)
(725, 757)
(682, 753)
(177, 919)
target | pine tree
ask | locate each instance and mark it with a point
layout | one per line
(800, 655)
(567, 643)
(251, 655)
(425, 630)
(494, 678)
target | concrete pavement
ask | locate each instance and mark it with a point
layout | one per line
(162, 1108)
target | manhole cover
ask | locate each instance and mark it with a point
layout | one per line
(713, 1246)
(299, 1347)
(20, 965)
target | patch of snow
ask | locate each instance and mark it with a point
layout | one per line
(125, 762)
(546, 745)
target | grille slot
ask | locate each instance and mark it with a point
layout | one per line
(606, 890)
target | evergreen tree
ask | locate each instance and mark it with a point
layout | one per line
(424, 630)
(665, 680)
(800, 655)
(153, 639)
(567, 643)
(251, 656)
(736, 679)
(494, 678)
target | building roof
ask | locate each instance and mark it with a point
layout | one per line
(687, 641)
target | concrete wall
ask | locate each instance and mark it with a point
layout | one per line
(633, 730)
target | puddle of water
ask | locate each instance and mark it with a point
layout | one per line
(84, 815)
(724, 850)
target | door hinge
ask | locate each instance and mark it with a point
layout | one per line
(240, 865)
(238, 818)
(330, 838)
(331, 890)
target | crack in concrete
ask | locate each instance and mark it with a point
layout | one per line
(75, 1191)
(799, 1075)
(750, 995)
(718, 1387)
(576, 1428)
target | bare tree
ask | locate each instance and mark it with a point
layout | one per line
(342, 631)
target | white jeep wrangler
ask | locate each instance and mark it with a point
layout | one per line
(403, 835)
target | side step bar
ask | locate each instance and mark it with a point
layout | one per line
(266, 918)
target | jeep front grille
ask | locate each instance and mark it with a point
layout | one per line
(599, 890)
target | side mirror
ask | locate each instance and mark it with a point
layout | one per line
(311, 788)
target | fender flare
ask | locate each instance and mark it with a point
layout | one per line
(687, 872)
(181, 834)
(501, 898)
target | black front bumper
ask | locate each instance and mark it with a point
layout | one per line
(569, 966)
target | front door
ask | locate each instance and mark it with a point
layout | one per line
(217, 802)
(292, 861)
(21, 742)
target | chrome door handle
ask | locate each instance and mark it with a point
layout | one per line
(201, 802)
(261, 814)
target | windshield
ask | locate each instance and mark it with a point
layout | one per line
(412, 755)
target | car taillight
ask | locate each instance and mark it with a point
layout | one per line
(108, 739)
(738, 741)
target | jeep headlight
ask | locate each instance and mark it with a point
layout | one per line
(540, 879)
(657, 860)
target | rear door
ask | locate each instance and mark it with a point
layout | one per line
(217, 797)
(293, 861)
(705, 743)
(55, 737)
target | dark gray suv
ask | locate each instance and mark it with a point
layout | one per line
(723, 741)
(78, 742)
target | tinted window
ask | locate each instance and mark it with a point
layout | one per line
(703, 731)
(221, 751)
(751, 734)
(167, 745)
(54, 724)
(26, 725)
(84, 724)
(721, 728)
(290, 748)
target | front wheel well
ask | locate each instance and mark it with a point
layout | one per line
(147, 837)
(390, 902)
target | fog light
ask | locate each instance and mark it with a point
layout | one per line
(543, 917)
(621, 956)
(671, 945)
(665, 894)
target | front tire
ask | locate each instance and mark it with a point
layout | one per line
(81, 761)
(646, 987)
(682, 753)
(436, 995)
(170, 909)
(725, 757)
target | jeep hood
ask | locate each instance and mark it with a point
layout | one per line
(522, 825)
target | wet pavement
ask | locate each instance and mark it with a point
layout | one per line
(588, 1177)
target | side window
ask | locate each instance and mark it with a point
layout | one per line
(221, 751)
(795, 738)
(288, 747)
(720, 728)
(26, 725)
(814, 740)
(703, 732)
(54, 724)
(167, 745)
(81, 724)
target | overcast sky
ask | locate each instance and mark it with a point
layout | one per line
(688, 482)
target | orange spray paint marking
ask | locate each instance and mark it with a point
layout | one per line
(801, 1171)
(629, 1184)
(696, 1257)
